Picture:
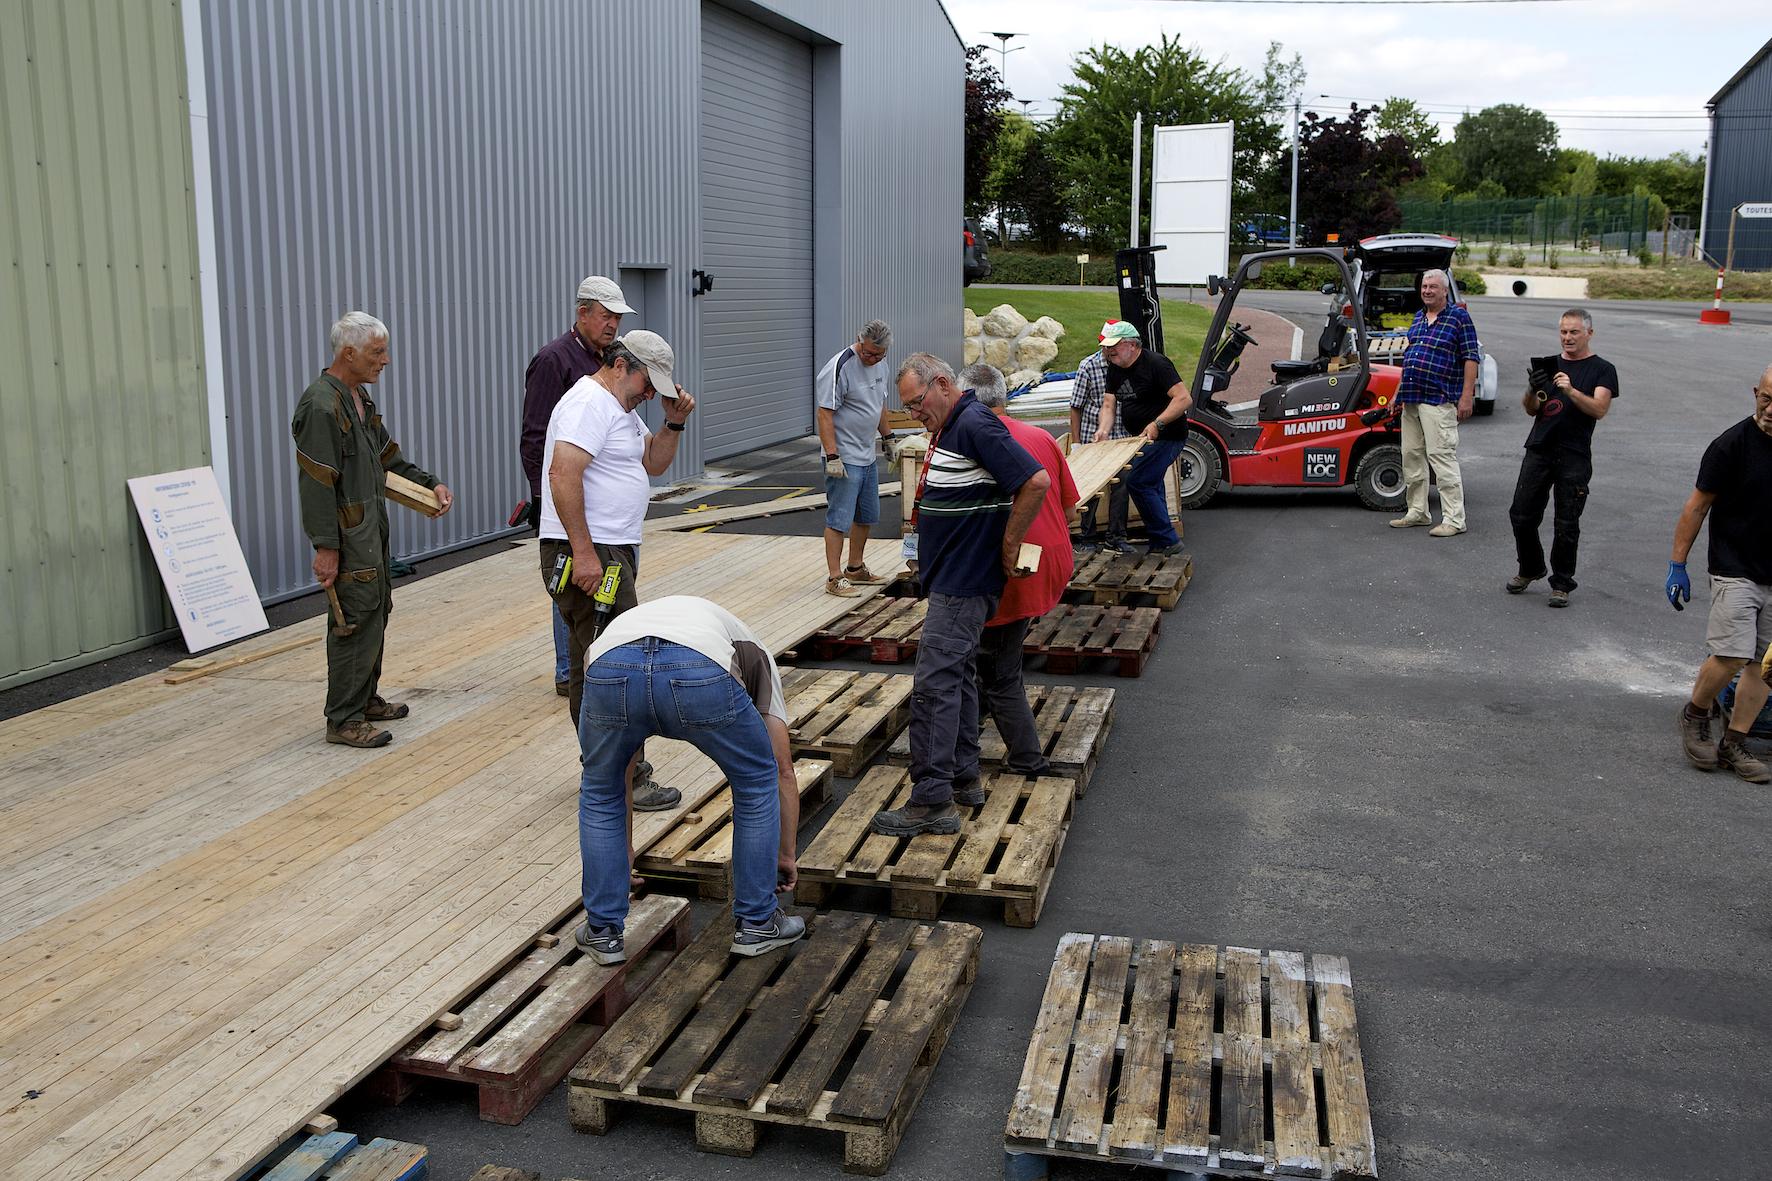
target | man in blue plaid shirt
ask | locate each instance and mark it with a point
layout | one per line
(1438, 390)
(1088, 394)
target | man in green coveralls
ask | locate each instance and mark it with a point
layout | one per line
(343, 450)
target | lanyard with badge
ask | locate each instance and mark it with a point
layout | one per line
(910, 538)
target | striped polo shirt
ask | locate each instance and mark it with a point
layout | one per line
(975, 467)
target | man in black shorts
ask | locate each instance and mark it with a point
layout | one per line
(1568, 395)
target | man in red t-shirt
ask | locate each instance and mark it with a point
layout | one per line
(1000, 686)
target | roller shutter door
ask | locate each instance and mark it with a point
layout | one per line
(756, 234)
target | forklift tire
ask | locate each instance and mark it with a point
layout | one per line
(1482, 409)
(1379, 478)
(1201, 472)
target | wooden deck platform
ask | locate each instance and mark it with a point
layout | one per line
(1227, 1061)
(814, 1035)
(1072, 721)
(697, 850)
(278, 916)
(847, 717)
(1132, 580)
(1007, 850)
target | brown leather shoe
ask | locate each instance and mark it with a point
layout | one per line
(1733, 756)
(861, 575)
(384, 711)
(358, 733)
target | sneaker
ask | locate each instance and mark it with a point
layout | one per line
(379, 710)
(1518, 583)
(781, 929)
(841, 587)
(1168, 550)
(358, 733)
(1559, 598)
(1118, 545)
(1698, 735)
(649, 794)
(603, 944)
(1444, 530)
(563, 688)
(912, 819)
(861, 575)
(970, 796)
(1732, 755)
(1409, 522)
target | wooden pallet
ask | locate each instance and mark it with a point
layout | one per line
(884, 630)
(1257, 1057)
(814, 1035)
(1071, 633)
(847, 717)
(1007, 849)
(519, 1035)
(697, 850)
(1132, 580)
(1073, 723)
(337, 1156)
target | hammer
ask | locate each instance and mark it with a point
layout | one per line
(340, 627)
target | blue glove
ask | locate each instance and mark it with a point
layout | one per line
(1678, 585)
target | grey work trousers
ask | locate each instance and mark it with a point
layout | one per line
(944, 697)
(1005, 694)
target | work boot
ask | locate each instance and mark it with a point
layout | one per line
(384, 711)
(603, 944)
(969, 795)
(649, 794)
(1168, 551)
(912, 819)
(1698, 735)
(1559, 598)
(1518, 583)
(1732, 754)
(358, 733)
(755, 939)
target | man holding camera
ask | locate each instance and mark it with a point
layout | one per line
(1568, 394)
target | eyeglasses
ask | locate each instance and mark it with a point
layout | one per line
(912, 404)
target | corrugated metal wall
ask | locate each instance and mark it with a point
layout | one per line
(456, 166)
(1741, 170)
(104, 373)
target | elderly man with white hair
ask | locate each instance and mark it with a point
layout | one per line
(1437, 392)
(344, 452)
(850, 397)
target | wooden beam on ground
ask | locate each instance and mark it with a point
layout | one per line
(724, 514)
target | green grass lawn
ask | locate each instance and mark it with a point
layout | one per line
(1083, 312)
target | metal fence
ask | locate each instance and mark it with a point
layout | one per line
(1579, 223)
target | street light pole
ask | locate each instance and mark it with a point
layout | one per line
(1292, 217)
(1003, 52)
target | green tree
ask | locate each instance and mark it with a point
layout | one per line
(1578, 173)
(986, 96)
(1091, 136)
(1002, 182)
(1349, 175)
(1513, 145)
(1401, 116)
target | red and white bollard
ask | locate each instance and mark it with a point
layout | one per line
(1716, 313)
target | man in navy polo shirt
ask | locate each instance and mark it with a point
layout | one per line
(978, 493)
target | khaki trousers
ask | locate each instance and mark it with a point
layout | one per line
(1430, 436)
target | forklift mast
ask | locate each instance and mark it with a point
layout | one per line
(1136, 267)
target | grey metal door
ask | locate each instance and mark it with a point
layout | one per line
(756, 234)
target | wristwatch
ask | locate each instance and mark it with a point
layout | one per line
(677, 426)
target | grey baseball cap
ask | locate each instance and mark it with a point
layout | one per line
(605, 292)
(656, 355)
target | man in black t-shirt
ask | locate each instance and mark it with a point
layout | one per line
(1568, 394)
(1153, 402)
(1735, 490)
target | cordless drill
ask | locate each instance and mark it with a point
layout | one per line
(604, 598)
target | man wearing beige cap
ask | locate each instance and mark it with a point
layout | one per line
(555, 368)
(598, 456)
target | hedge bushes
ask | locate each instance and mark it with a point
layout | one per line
(1024, 266)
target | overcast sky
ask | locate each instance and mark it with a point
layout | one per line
(1595, 66)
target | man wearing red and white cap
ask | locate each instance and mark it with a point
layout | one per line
(1154, 402)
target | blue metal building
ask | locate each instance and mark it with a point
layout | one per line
(1738, 164)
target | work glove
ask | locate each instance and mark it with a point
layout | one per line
(1678, 585)
(889, 449)
(1766, 666)
(833, 467)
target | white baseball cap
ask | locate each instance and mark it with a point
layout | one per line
(656, 355)
(605, 292)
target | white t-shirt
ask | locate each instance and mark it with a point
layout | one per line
(615, 484)
(711, 630)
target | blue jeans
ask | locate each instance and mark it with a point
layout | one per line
(562, 646)
(649, 687)
(853, 500)
(1144, 480)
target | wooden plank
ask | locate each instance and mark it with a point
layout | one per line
(1242, 1099)
(981, 835)
(383, 1160)
(1135, 1131)
(1344, 1072)
(760, 1048)
(1092, 1049)
(725, 514)
(1042, 1074)
(1294, 1090)
(209, 668)
(1029, 853)
(643, 1029)
(848, 826)
(412, 495)
(313, 1157)
(803, 1085)
(689, 1051)
(1188, 1134)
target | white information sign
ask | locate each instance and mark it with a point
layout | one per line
(1191, 201)
(187, 524)
(1757, 209)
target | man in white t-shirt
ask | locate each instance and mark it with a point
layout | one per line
(686, 668)
(598, 458)
(850, 396)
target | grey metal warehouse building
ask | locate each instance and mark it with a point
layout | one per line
(1738, 164)
(198, 189)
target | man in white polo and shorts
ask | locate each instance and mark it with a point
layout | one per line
(851, 403)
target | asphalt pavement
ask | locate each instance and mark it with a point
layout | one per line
(1351, 741)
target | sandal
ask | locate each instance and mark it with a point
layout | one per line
(383, 711)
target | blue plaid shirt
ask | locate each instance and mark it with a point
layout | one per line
(1087, 392)
(1433, 364)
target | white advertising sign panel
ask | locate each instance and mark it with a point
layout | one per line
(1191, 201)
(194, 543)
